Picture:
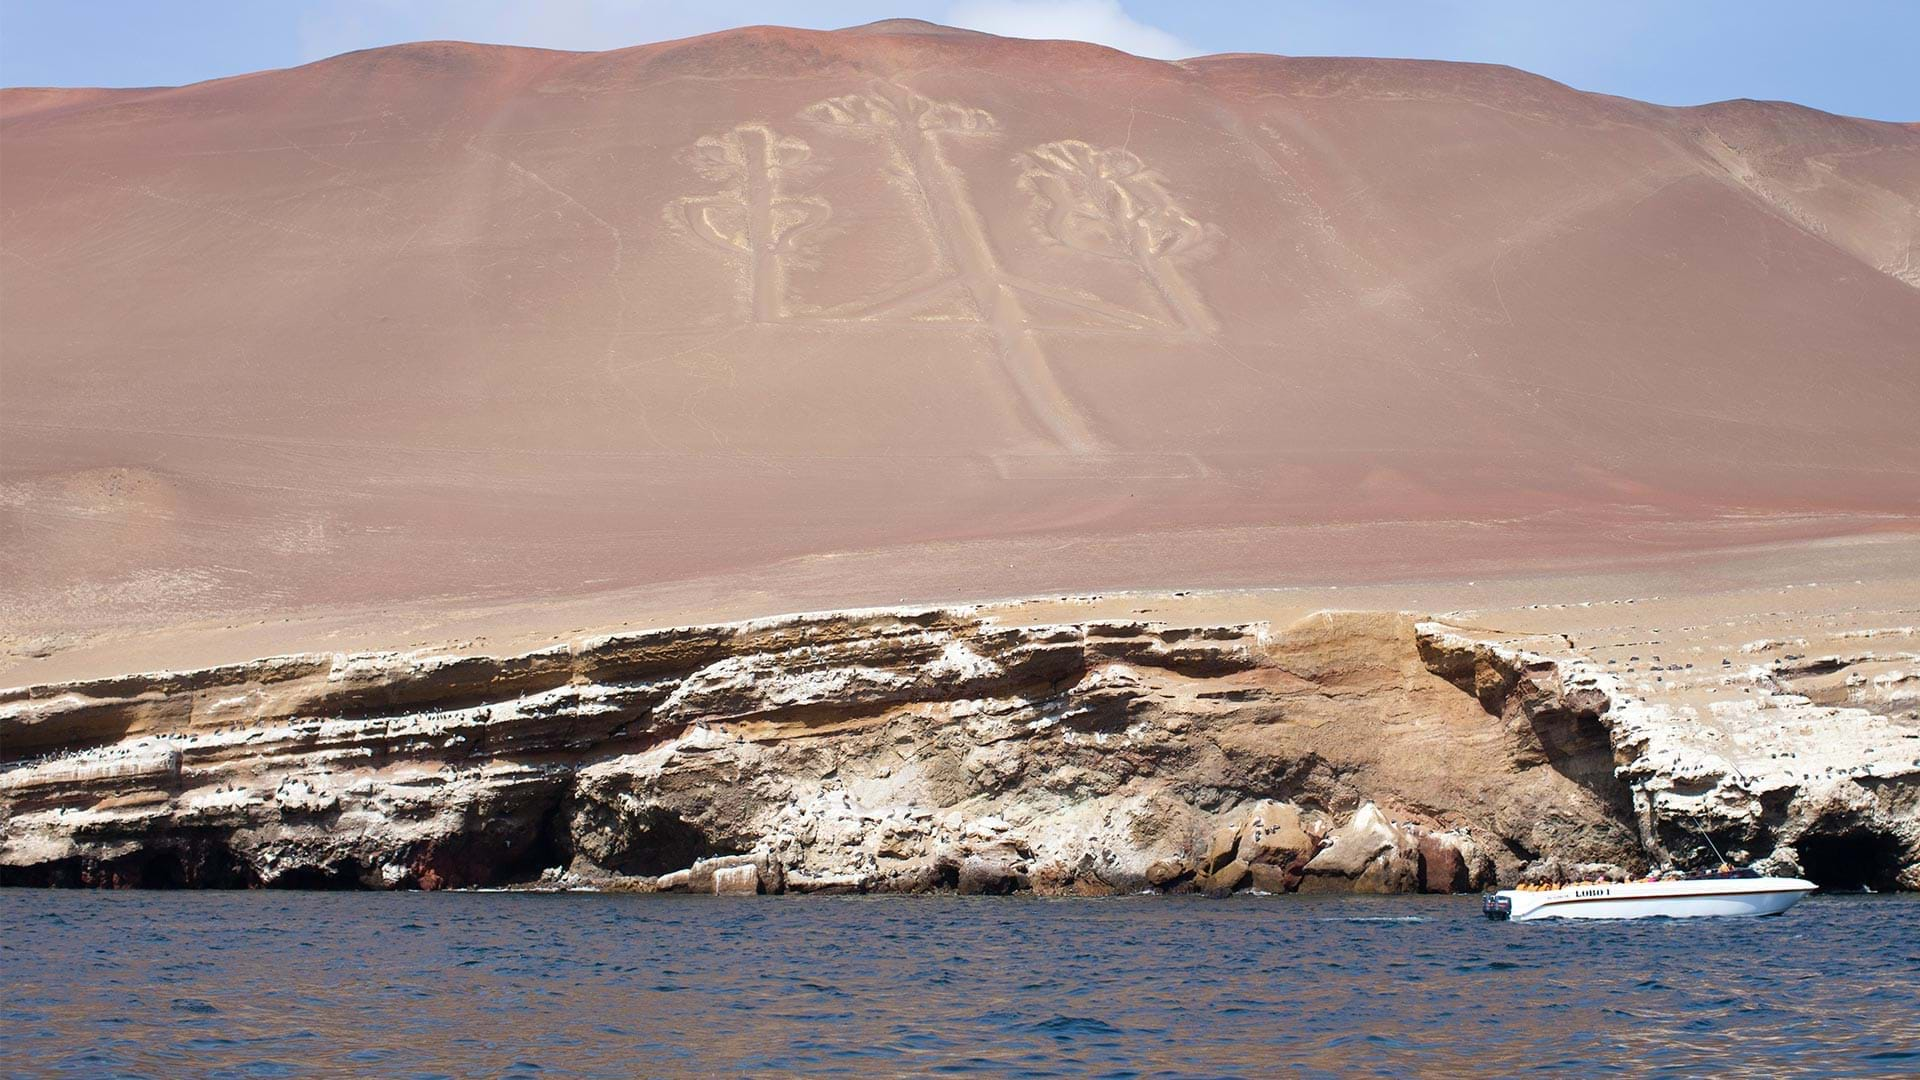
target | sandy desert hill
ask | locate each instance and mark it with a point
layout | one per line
(411, 465)
(902, 312)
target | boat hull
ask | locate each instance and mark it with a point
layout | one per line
(1655, 899)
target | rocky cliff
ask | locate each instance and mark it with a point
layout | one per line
(912, 750)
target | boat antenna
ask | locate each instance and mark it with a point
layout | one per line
(1716, 851)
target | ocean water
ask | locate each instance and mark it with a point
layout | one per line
(460, 984)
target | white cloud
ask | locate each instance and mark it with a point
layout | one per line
(1104, 22)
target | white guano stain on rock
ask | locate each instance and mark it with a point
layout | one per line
(917, 749)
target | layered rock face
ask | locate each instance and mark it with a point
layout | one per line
(901, 750)
(1805, 766)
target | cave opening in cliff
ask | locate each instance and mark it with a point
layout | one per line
(659, 841)
(193, 862)
(546, 849)
(1850, 860)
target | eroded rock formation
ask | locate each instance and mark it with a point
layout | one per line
(906, 750)
(1824, 784)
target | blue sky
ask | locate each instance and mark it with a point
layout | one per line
(1848, 56)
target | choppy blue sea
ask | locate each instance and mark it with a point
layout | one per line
(462, 984)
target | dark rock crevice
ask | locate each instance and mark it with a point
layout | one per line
(1852, 859)
(649, 841)
(1549, 724)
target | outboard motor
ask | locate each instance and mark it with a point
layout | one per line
(1495, 906)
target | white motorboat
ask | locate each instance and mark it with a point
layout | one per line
(1736, 894)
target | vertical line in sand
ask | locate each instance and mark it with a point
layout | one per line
(1172, 286)
(1178, 294)
(763, 262)
(1018, 351)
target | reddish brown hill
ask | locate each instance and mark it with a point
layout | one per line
(448, 320)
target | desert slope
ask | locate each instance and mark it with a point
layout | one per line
(444, 323)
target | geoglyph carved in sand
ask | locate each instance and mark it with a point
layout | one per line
(1107, 202)
(910, 125)
(1103, 202)
(1145, 222)
(897, 120)
(752, 218)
